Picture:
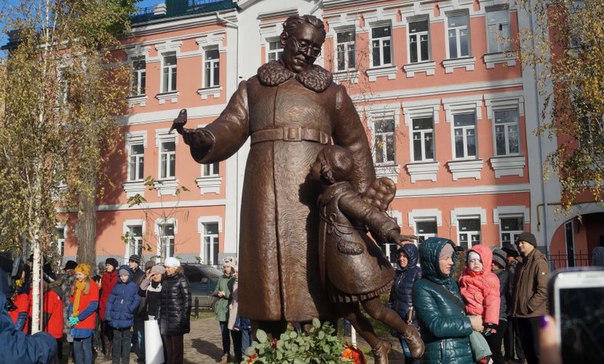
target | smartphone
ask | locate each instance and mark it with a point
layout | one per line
(577, 303)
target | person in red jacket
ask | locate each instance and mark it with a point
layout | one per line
(108, 280)
(53, 313)
(479, 287)
(21, 301)
(84, 301)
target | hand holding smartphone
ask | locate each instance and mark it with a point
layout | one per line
(577, 303)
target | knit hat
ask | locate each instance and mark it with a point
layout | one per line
(135, 258)
(124, 272)
(172, 262)
(158, 269)
(510, 250)
(499, 257)
(228, 262)
(473, 255)
(84, 269)
(71, 264)
(112, 261)
(527, 237)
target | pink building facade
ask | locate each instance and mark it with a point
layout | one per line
(449, 110)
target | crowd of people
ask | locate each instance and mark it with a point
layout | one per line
(104, 314)
(467, 312)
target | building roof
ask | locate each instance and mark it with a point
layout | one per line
(180, 8)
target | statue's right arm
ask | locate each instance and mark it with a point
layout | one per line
(225, 135)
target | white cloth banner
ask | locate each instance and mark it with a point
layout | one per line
(154, 349)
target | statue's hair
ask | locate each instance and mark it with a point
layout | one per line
(291, 24)
(340, 164)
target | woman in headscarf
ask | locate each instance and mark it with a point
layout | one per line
(440, 310)
(84, 301)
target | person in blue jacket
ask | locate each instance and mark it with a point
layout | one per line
(407, 273)
(16, 346)
(121, 307)
(440, 311)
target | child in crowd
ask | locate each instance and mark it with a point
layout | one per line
(84, 301)
(479, 287)
(121, 307)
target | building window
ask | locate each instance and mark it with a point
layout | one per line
(498, 30)
(167, 159)
(381, 46)
(384, 141)
(419, 41)
(464, 130)
(275, 49)
(61, 240)
(510, 227)
(507, 136)
(425, 229)
(211, 68)
(166, 240)
(459, 36)
(210, 170)
(139, 76)
(345, 50)
(136, 163)
(169, 72)
(423, 139)
(468, 232)
(210, 243)
(135, 240)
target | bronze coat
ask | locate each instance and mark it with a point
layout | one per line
(278, 249)
(350, 261)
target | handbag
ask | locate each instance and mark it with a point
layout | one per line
(478, 344)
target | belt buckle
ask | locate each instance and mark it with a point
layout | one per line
(292, 134)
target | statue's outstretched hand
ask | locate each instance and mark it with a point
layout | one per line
(179, 122)
(394, 237)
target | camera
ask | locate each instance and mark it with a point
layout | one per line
(577, 303)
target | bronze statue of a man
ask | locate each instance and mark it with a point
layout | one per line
(290, 109)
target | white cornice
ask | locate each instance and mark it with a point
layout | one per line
(179, 23)
(165, 204)
(463, 191)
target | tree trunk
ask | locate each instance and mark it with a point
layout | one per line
(86, 227)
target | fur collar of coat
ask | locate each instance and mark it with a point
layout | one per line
(315, 78)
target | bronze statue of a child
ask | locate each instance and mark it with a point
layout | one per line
(353, 268)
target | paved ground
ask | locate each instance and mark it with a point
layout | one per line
(203, 344)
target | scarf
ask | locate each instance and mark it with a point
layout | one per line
(80, 286)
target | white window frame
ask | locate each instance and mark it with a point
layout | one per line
(136, 162)
(421, 235)
(471, 233)
(209, 80)
(273, 54)
(161, 238)
(387, 117)
(418, 36)
(135, 243)
(458, 30)
(139, 77)
(465, 129)
(61, 240)
(507, 125)
(501, 43)
(170, 174)
(211, 242)
(422, 133)
(172, 70)
(381, 41)
(513, 233)
(348, 47)
(210, 169)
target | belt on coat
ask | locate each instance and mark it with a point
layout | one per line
(288, 134)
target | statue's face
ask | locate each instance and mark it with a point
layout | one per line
(302, 48)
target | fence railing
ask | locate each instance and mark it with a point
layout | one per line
(564, 260)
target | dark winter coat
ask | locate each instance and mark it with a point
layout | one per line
(17, 347)
(401, 298)
(175, 308)
(504, 288)
(444, 325)
(530, 286)
(279, 218)
(122, 303)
